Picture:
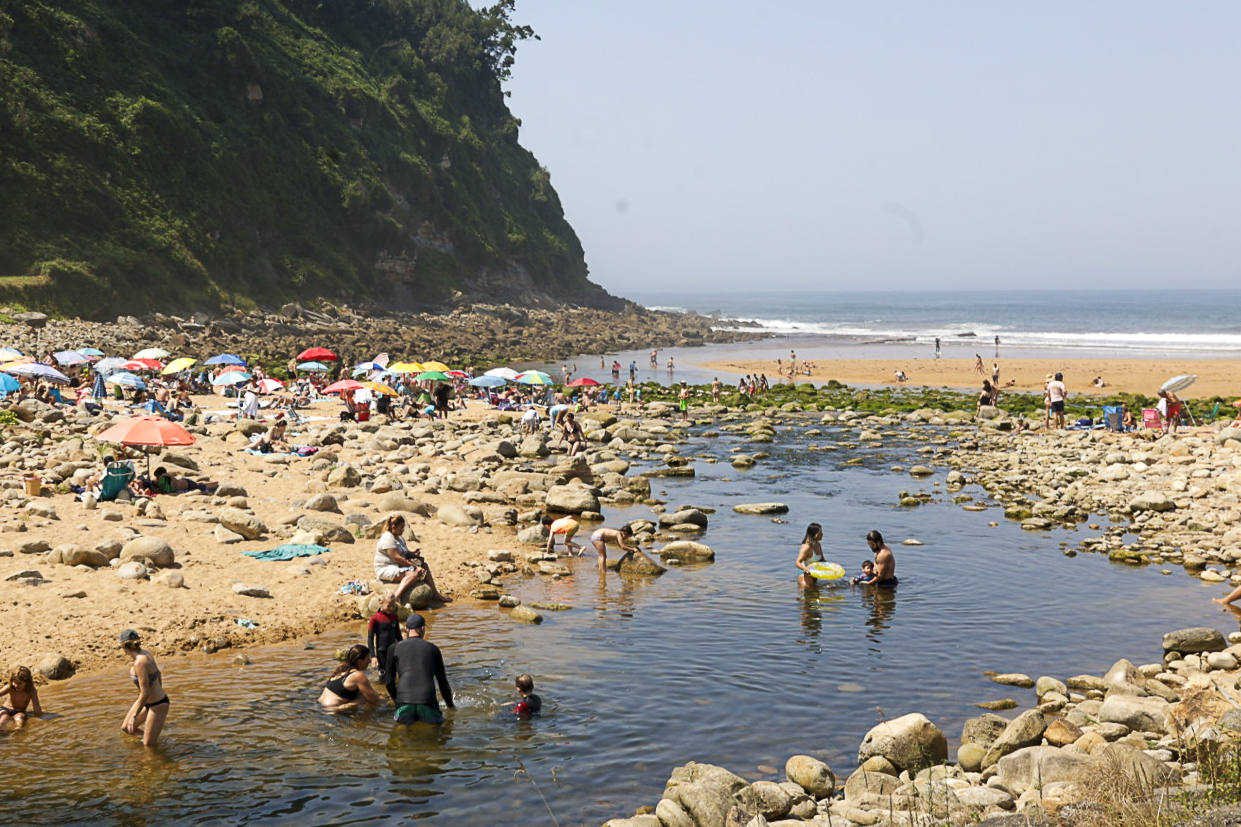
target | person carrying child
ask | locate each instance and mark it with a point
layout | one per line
(867, 575)
(22, 693)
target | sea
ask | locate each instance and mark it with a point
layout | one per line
(1120, 322)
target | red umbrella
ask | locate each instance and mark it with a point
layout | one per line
(342, 386)
(147, 430)
(316, 354)
(231, 369)
(584, 382)
(143, 364)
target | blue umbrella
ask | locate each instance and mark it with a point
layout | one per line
(8, 384)
(366, 367)
(225, 359)
(233, 377)
(487, 381)
(127, 379)
(317, 367)
(38, 370)
(110, 365)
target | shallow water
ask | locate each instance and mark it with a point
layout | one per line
(727, 663)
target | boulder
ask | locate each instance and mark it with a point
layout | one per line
(687, 551)
(226, 537)
(325, 530)
(573, 498)
(811, 774)
(773, 800)
(707, 794)
(171, 578)
(133, 570)
(970, 756)
(344, 476)
(243, 523)
(74, 555)
(910, 742)
(1147, 772)
(761, 508)
(636, 564)
(453, 514)
(248, 590)
(1124, 679)
(1023, 731)
(874, 783)
(1145, 714)
(396, 501)
(322, 502)
(535, 535)
(1151, 501)
(1062, 732)
(154, 549)
(1033, 767)
(419, 597)
(34, 547)
(1195, 639)
(54, 667)
(524, 614)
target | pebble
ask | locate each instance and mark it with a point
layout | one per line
(248, 590)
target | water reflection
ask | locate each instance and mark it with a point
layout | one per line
(881, 605)
(816, 601)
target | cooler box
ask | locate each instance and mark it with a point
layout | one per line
(364, 411)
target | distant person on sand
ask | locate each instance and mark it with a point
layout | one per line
(810, 551)
(885, 560)
(995, 374)
(1057, 393)
(979, 367)
(901, 377)
(1098, 382)
(997, 346)
(1169, 407)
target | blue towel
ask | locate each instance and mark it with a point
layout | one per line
(287, 552)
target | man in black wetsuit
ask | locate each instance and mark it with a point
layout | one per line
(413, 664)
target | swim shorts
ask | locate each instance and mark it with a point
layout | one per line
(393, 573)
(413, 713)
(565, 525)
(889, 583)
(1057, 407)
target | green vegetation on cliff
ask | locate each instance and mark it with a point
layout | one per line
(160, 154)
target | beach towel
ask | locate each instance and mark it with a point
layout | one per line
(288, 551)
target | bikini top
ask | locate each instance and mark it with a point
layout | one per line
(337, 685)
(155, 677)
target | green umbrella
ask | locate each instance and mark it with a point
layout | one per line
(432, 376)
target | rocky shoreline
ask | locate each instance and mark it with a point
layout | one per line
(479, 334)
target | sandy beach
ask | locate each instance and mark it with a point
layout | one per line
(1216, 377)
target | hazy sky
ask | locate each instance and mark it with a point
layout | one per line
(869, 145)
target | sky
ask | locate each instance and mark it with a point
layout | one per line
(831, 145)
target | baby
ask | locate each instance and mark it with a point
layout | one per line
(22, 693)
(868, 573)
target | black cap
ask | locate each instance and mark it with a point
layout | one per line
(415, 621)
(129, 635)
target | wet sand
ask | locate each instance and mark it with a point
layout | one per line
(1216, 377)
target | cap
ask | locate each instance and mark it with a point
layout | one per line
(415, 621)
(129, 635)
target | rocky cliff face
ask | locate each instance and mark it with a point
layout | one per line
(182, 156)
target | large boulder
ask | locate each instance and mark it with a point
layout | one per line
(344, 476)
(1194, 639)
(322, 502)
(72, 554)
(243, 523)
(453, 514)
(396, 501)
(636, 564)
(325, 531)
(1124, 679)
(534, 535)
(573, 498)
(155, 549)
(875, 783)
(983, 730)
(1148, 714)
(1145, 771)
(811, 774)
(1151, 501)
(761, 508)
(1034, 767)
(54, 667)
(690, 516)
(1023, 731)
(707, 794)
(910, 742)
(687, 551)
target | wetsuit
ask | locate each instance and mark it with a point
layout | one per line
(530, 705)
(412, 664)
(383, 632)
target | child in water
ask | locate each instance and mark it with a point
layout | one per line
(22, 693)
(383, 631)
(530, 703)
(868, 573)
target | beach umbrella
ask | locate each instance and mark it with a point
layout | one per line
(38, 370)
(178, 365)
(225, 359)
(70, 357)
(342, 386)
(129, 380)
(270, 385)
(432, 376)
(233, 369)
(143, 364)
(584, 382)
(503, 373)
(380, 387)
(534, 377)
(316, 354)
(1179, 383)
(366, 367)
(457, 374)
(487, 381)
(440, 366)
(382, 359)
(90, 351)
(405, 367)
(316, 367)
(232, 377)
(10, 353)
(110, 365)
(8, 384)
(147, 430)
(152, 353)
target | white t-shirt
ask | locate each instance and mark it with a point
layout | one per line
(531, 416)
(1056, 391)
(388, 541)
(250, 404)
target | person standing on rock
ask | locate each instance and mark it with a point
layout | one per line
(810, 550)
(885, 560)
(150, 710)
(715, 391)
(683, 397)
(414, 667)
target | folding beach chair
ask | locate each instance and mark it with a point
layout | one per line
(1113, 420)
(1151, 420)
(119, 476)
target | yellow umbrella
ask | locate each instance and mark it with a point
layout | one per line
(178, 365)
(379, 387)
(405, 367)
(440, 366)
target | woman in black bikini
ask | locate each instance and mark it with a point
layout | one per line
(349, 681)
(151, 709)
